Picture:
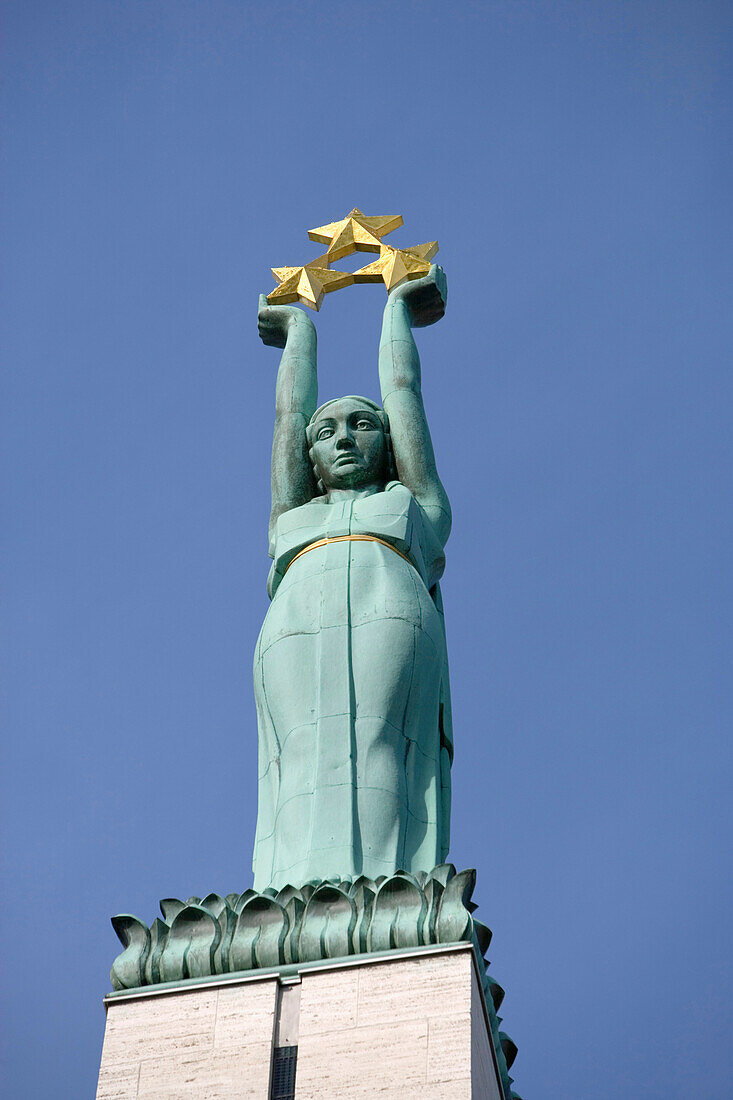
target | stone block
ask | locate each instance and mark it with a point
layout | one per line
(483, 1073)
(449, 1047)
(359, 1061)
(192, 1043)
(245, 1014)
(118, 1081)
(328, 1001)
(228, 1074)
(416, 988)
(409, 1027)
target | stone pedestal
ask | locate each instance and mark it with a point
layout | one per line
(410, 1025)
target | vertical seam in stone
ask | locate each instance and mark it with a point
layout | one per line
(427, 1051)
(358, 996)
(216, 1016)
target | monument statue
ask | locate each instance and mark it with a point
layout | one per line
(350, 671)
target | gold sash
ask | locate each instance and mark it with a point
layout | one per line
(346, 538)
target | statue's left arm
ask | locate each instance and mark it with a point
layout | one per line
(414, 304)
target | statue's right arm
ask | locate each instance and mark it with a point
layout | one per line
(296, 397)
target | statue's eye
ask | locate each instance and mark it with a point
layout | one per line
(324, 433)
(364, 425)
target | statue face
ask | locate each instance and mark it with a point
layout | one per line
(348, 447)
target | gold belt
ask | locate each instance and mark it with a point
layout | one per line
(346, 538)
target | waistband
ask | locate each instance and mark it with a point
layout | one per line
(347, 538)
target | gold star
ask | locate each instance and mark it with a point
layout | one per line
(307, 284)
(397, 265)
(355, 233)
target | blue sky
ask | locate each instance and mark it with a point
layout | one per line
(574, 161)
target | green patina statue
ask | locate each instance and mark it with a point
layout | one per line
(350, 671)
(352, 693)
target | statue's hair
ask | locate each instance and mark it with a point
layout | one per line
(373, 407)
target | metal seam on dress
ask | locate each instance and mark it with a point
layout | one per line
(347, 538)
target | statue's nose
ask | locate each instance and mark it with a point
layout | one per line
(344, 441)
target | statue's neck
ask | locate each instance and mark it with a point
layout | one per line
(353, 494)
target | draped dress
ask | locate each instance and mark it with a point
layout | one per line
(352, 696)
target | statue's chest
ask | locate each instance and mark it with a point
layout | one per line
(393, 516)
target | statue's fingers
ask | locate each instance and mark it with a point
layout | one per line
(263, 303)
(440, 280)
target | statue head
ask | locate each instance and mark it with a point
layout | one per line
(349, 445)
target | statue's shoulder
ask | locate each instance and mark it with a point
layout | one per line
(397, 489)
(294, 520)
(394, 496)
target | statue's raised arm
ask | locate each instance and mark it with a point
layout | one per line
(413, 305)
(296, 397)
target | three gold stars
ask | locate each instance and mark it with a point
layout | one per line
(357, 232)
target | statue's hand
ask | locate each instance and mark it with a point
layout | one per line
(425, 298)
(274, 322)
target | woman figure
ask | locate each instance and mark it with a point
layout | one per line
(351, 676)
